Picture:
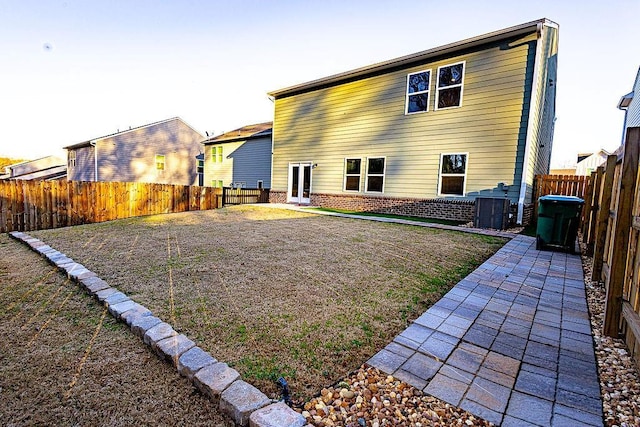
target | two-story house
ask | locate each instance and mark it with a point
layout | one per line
(423, 134)
(163, 152)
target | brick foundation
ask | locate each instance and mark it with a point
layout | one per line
(457, 210)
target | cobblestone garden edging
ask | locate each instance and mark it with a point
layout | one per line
(242, 402)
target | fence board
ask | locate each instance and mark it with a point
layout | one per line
(34, 205)
(624, 209)
(564, 185)
(603, 217)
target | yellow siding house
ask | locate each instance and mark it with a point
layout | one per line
(424, 134)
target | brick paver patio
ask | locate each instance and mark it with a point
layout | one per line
(510, 343)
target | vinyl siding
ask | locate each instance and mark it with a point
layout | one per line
(245, 161)
(217, 171)
(84, 170)
(252, 162)
(632, 115)
(365, 118)
(130, 156)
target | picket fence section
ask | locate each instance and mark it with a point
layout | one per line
(37, 205)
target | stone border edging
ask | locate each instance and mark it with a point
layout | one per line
(239, 400)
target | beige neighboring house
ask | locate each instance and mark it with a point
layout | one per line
(423, 134)
(46, 168)
(163, 152)
(589, 162)
(563, 171)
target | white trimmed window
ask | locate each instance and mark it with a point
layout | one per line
(352, 174)
(217, 183)
(72, 158)
(453, 174)
(260, 184)
(418, 92)
(160, 162)
(375, 174)
(449, 87)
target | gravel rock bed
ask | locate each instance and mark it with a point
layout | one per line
(619, 377)
(369, 397)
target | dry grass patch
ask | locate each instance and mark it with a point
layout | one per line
(65, 361)
(276, 292)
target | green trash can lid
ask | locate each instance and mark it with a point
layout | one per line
(552, 198)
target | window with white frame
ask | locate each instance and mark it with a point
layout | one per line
(160, 162)
(418, 92)
(260, 184)
(72, 158)
(449, 87)
(352, 174)
(217, 183)
(375, 174)
(453, 174)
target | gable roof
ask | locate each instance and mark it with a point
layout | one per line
(407, 60)
(91, 141)
(244, 133)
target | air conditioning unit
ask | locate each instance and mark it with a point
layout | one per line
(491, 213)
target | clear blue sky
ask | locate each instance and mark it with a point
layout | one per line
(75, 70)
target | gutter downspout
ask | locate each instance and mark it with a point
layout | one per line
(529, 139)
(95, 159)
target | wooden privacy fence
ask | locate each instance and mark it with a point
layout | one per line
(611, 231)
(564, 185)
(240, 196)
(37, 205)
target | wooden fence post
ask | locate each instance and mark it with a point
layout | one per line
(588, 204)
(622, 224)
(594, 209)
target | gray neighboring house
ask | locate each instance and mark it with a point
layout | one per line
(630, 104)
(240, 158)
(46, 168)
(163, 152)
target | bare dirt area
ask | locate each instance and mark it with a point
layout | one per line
(275, 292)
(65, 361)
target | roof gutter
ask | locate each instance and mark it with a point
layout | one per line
(413, 58)
(94, 144)
(529, 139)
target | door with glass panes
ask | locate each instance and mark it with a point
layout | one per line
(299, 183)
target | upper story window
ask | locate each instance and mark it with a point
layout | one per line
(375, 174)
(449, 87)
(352, 173)
(160, 162)
(418, 92)
(72, 158)
(199, 166)
(453, 174)
(216, 154)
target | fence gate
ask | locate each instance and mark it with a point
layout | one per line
(242, 196)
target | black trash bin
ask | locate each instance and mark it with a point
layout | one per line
(558, 220)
